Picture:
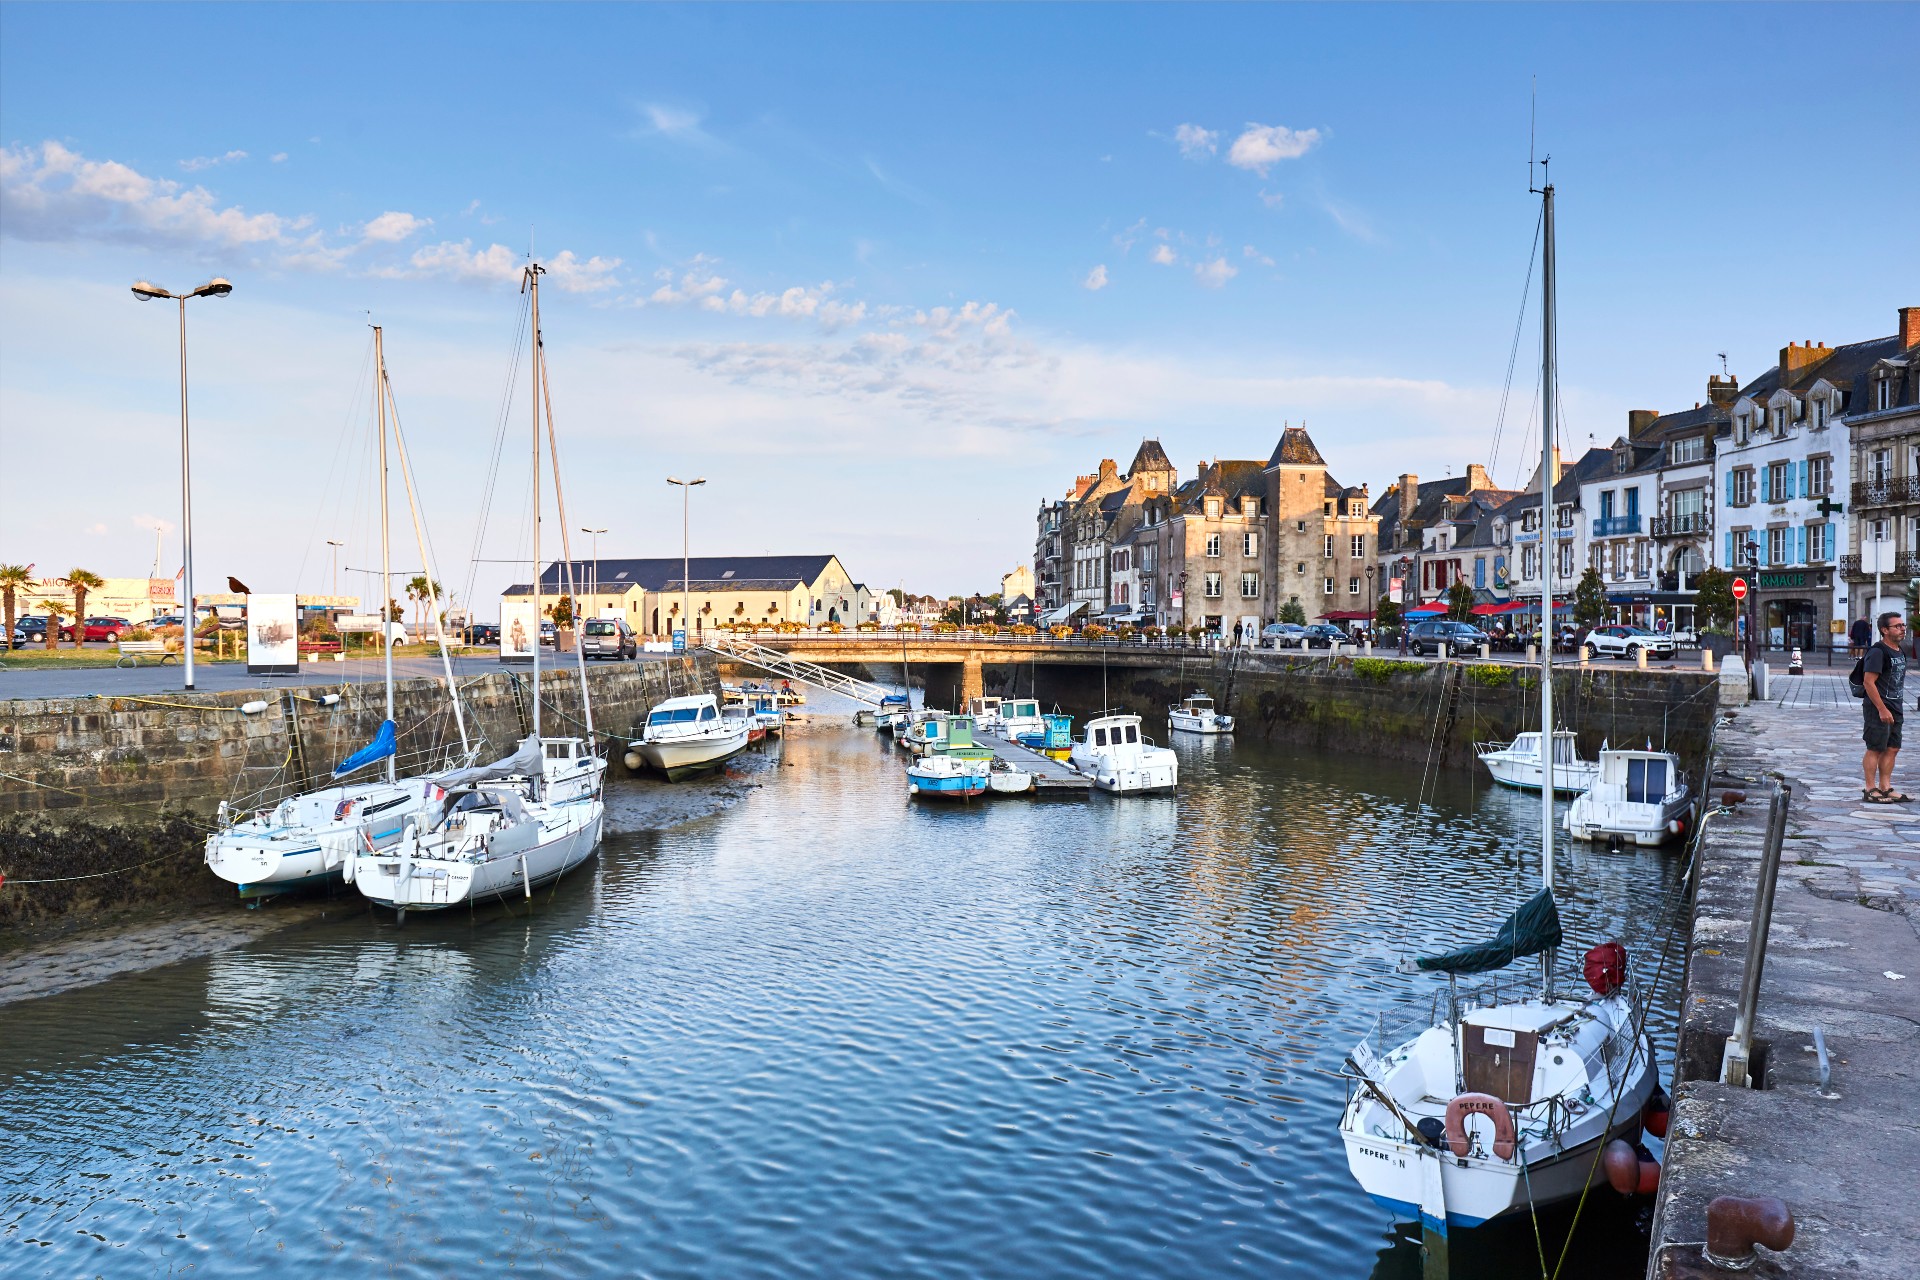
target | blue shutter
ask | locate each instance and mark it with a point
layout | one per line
(1726, 492)
(1728, 562)
(1832, 551)
(1800, 541)
(1800, 490)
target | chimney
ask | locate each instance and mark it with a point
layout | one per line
(1108, 467)
(1909, 328)
(1409, 499)
(1722, 390)
(1797, 360)
(1080, 486)
(1477, 478)
(1640, 421)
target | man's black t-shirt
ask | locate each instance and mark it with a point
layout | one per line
(1890, 665)
(1861, 634)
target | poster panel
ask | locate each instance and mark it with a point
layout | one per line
(273, 635)
(519, 630)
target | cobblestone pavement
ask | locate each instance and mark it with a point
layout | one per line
(1848, 849)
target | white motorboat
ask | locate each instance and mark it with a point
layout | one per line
(1007, 779)
(1639, 797)
(1020, 717)
(484, 838)
(1501, 1105)
(305, 839)
(986, 713)
(1518, 763)
(688, 735)
(1119, 759)
(1196, 714)
(946, 777)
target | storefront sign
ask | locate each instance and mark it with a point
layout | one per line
(519, 630)
(1772, 581)
(273, 635)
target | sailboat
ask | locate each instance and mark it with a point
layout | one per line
(1505, 1101)
(306, 839)
(524, 820)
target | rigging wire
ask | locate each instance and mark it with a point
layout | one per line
(334, 471)
(1513, 353)
(490, 488)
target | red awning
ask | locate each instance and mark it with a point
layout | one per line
(1495, 610)
(1348, 615)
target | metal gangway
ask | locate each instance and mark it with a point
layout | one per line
(788, 667)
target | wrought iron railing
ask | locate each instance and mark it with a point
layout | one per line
(1674, 526)
(1614, 526)
(1888, 492)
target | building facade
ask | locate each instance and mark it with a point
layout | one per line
(1883, 428)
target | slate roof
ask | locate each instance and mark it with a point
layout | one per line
(1232, 479)
(1296, 449)
(763, 572)
(1150, 458)
(1842, 368)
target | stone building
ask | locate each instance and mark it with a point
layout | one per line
(1682, 527)
(1101, 509)
(720, 589)
(1619, 496)
(1049, 557)
(1213, 540)
(1403, 552)
(1322, 533)
(1883, 426)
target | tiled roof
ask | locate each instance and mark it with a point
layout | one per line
(1841, 368)
(1296, 449)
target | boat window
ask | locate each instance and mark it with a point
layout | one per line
(706, 713)
(1133, 733)
(1099, 737)
(1562, 750)
(675, 715)
(1646, 781)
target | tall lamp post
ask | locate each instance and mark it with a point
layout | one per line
(596, 557)
(147, 291)
(336, 564)
(686, 561)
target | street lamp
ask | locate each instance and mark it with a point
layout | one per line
(596, 556)
(147, 291)
(335, 554)
(686, 562)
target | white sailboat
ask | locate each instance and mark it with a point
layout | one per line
(525, 820)
(306, 839)
(1504, 1103)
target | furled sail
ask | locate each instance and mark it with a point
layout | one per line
(1528, 931)
(382, 746)
(523, 763)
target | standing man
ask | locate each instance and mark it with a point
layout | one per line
(1886, 674)
(1860, 636)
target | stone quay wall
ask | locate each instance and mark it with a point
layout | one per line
(122, 789)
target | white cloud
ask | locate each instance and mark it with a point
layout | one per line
(679, 124)
(575, 275)
(1214, 272)
(1096, 278)
(53, 193)
(97, 530)
(207, 162)
(459, 260)
(1350, 220)
(1261, 146)
(278, 157)
(393, 226)
(1126, 239)
(1164, 255)
(165, 526)
(1196, 143)
(1253, 254)
(1272, 199)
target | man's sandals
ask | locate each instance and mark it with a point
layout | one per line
(1875, 795)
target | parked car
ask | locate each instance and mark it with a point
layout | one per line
(1427, 637)
(28, 631)
(1282, 635)
(1324, 635)
(549, 633)
(167, 620)
(108, 629)
(481, 633)
(608, 638)
(1619, 641)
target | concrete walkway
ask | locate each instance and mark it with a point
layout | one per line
(1844, 956)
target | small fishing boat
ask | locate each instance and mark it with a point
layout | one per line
(926, 736)
(687, 735)
(768, 713)
(1517, 764)
(1054, 738)
(1020, 718)
(986, 713)
(893, 707)
(1120, 759)
(1639, 797)
(1008, 780)
(742, 714)
(1196, 714)
(946, 778)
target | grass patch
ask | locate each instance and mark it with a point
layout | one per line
(1381, 670)
(1491, 675)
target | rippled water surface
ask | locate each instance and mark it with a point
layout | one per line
(829, 1033)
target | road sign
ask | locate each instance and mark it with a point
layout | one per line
(680, 640)
(1739, 588)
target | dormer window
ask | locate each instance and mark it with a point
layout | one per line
(1621, 460)
(1357, 509)
(1213, 508)
(1779, 421)
(1326, 508)
(1249, 506)
(1883, 393)
(1742, 428)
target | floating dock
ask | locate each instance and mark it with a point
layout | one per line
(1050, 777)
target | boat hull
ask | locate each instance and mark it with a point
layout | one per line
(567, 839)
(684, 758)
(1523, 773)
(1183, 722)
(954, 788)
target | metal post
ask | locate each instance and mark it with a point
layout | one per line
(1736, 1064)
(186, 505)
(1549, 368)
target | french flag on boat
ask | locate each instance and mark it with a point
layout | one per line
(380, 748)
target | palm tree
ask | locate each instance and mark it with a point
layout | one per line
(12, 578)
(416, 592)
(81, 581)
(54, 610)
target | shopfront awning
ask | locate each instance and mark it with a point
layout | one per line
(1348, 615)
(1065, 612)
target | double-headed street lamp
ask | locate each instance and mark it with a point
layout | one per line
(596, 556)
(686, 562)
(146, 291)
(336, 563)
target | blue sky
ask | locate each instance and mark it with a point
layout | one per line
(889, 276)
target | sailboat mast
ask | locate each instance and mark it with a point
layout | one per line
(1548, 474)
(533, 286)
(386, 544)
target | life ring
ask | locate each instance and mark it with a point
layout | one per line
(1482, 1104)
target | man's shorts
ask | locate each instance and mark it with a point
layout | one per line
(1879, 735)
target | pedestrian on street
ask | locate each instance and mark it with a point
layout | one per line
(1885, 678)
(1860, 636)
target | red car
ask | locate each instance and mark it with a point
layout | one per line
(108, 629)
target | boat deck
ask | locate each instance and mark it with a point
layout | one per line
(1050, 776)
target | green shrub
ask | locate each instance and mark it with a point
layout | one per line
(1490, 675)
(1381, 670)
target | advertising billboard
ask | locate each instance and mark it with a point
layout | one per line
(273, 635)
(519, 630)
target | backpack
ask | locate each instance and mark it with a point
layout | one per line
(1857, 678)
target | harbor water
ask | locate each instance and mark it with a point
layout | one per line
(830, 1032)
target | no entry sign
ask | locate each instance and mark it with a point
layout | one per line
(1739, 588)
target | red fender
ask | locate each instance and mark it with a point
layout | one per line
(1483, 1104)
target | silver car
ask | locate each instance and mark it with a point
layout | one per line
(608, 638)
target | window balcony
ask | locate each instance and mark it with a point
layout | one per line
(1889, 492)
(1906, 565)
(1616, 526)
(1678, 526)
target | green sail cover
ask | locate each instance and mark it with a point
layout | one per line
(1528, 931)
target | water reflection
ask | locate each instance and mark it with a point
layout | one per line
(827, 1033)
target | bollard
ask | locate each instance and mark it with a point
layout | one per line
(1533, 654)
(1369, 648)
(1706, 659)
(1735, 1224)
(1444, 653)
(1736, 1064)
(1640, 657)
(1794, 664)
(1486, 652)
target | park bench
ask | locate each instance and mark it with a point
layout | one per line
(131, 651)
(320, 646)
